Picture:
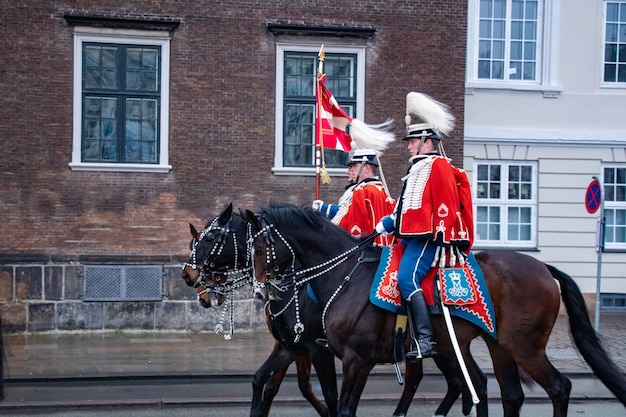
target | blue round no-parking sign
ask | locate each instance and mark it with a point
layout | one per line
(593, 197)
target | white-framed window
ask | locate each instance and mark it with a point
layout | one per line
(512, 44)
(296, 70)
(505, 203)
(121, 100)
(614, 65)
(614, 181)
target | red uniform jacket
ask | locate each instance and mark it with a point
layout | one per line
(436, 202)
(360, 213)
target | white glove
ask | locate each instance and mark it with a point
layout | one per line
(380, 229)
(317, 205)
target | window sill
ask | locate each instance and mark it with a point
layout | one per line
(82, 166)
(483, 247)
(307, 171)
(613, 250)
(547, 90)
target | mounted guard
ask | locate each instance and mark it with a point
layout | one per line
(433, 216)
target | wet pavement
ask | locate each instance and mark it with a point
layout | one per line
(181, 362)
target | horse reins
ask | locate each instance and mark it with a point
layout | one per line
(322, 268)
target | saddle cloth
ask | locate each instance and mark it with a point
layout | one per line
(464, 289)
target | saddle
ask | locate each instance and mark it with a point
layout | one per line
(463, 289)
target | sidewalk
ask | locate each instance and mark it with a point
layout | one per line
(127, 354)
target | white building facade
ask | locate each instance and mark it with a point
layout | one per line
(545, 112)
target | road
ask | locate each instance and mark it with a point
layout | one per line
(230, 396)
(367, 409)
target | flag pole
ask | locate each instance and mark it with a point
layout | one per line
(318, 123)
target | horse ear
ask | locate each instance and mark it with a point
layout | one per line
(225, 215)
(194, 232)
(252, 218)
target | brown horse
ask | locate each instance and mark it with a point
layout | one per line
(216, 267)
(523, 290)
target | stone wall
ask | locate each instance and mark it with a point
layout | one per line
(48, 298)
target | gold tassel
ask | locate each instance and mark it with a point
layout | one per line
(325, 178)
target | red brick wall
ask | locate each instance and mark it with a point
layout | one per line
(221, 117)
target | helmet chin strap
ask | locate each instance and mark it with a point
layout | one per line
(419, 148)
(361, 168)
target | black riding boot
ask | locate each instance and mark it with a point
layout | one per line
(421, 325)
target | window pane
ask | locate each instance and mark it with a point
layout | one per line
(611, 12)
(517, 9)
(141, 69)
(610, 72)
(484, 30)
(485, 49)
(499, 27)
(513, 215)
(529, 70)
(498, 49)
(609, 175)
(499, 8)
(621, 73)
(482, 215)
(530, 31)
(531, 10)
(516, 50)
(298, 135)
(100, 66)
(494, 172)
(482, 172)
(516, 30)
(530, 51)
(497, 70)
(300, 75)
(494, 232)
(611, 32)
(486, 8)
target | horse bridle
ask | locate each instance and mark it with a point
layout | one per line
(299, 277)
(208, 270)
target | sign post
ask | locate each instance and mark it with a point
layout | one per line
(594, 201)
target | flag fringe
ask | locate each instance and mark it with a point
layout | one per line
(377, 137)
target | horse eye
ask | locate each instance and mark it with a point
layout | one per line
(258, 251)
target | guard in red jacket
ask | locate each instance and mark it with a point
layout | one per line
(364, 202)
(433, 216)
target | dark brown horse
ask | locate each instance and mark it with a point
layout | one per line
(523, 290)
(219, 254)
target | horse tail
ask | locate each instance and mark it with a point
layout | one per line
(585, 336)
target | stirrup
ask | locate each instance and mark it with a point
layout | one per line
(422, 350)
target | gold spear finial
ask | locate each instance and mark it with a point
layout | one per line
(320, 67)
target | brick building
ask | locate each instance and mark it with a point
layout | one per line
(123, 122)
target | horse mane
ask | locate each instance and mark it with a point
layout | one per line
(291, 216)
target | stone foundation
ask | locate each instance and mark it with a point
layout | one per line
(48, 298)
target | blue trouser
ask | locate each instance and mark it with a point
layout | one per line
(415, 264)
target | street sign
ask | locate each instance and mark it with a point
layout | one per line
(593, 197)
(593, 203)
